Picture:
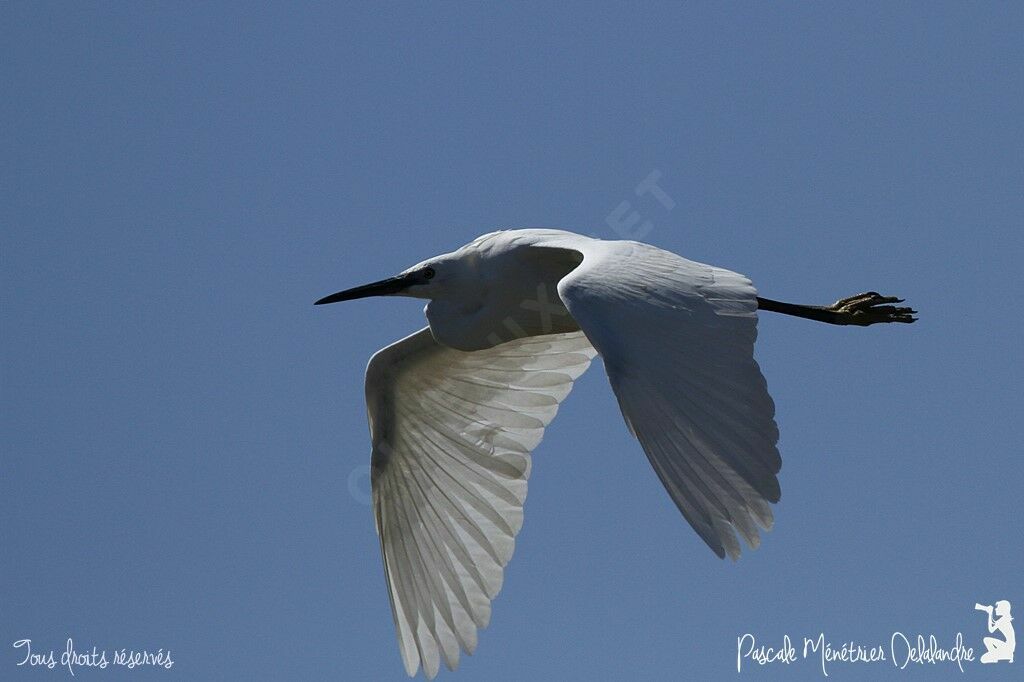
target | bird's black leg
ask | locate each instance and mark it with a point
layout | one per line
(862, 310)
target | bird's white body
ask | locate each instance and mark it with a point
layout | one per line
(456, 409)
(480, 304)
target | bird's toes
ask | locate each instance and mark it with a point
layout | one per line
(856, 299)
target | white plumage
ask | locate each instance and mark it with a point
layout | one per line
(452, 436)
(515, 317)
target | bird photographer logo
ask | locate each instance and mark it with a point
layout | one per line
(902, 650)
(999, 620)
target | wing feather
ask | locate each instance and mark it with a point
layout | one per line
(677, 339)
(452, 436)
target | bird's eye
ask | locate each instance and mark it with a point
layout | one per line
(428, 273)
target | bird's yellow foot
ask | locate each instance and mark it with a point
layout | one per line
(870, 308)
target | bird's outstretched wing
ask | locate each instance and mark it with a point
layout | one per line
(452, 435)
(677, 340)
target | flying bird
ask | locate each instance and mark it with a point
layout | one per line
(515, 317)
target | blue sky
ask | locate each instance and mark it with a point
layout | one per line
(183, 433)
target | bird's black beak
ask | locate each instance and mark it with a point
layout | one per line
(385, 287)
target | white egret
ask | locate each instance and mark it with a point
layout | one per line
(514, 318)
